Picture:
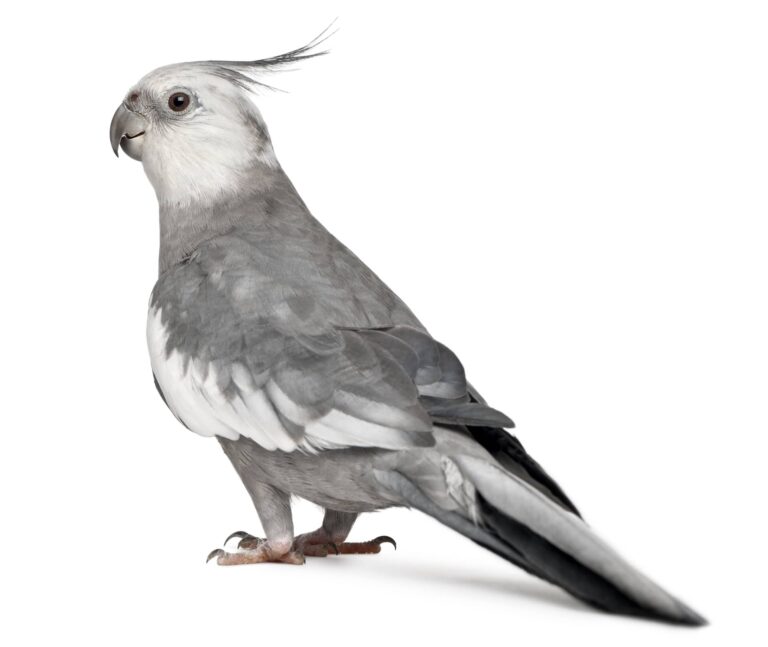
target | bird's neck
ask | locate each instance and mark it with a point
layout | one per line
(265, 193)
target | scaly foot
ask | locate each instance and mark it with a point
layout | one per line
(254, 550)
(258, 553)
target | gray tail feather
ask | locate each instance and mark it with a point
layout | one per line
(539, 557)
(526, 528)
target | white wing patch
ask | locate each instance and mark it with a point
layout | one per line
(193, 393)
(191, 390)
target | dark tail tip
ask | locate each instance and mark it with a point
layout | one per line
(689, 618)
(541, 558)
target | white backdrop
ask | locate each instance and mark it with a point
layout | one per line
(570, 195)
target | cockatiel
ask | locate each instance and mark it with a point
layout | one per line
(316, 379)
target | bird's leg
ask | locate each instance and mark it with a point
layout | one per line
(334, 530)
(330, 537)
(274, 509)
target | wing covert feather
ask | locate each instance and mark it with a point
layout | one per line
(239, 350)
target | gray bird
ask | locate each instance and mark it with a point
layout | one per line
(316, 379)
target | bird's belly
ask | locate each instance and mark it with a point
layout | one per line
(337, 479)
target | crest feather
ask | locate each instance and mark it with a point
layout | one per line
(246, 74)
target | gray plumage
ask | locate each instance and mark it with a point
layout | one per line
(318, 381)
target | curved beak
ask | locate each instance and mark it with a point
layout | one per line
(126, 128)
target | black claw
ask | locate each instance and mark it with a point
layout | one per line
(216, 552)
(241, 534)
(248, 538)
(335, 548)
(384, 539)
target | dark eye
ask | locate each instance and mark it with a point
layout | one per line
(178, 101)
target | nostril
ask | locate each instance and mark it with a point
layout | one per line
(134, 97)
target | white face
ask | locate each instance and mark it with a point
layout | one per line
(196, 132)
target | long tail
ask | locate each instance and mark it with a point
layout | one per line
(520, 523)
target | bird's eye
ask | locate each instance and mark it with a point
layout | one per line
(178, 101)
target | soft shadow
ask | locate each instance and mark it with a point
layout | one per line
(533, 589)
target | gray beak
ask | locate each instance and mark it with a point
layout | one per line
(127, 131)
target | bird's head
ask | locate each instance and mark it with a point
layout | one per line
(194, 127)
